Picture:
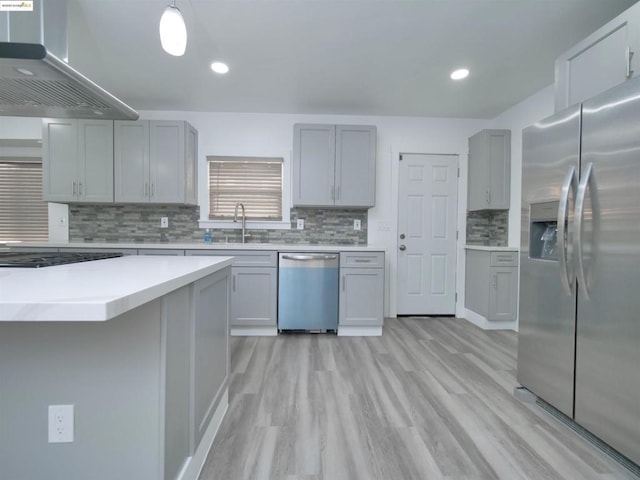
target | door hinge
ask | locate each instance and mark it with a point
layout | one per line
(400, 157)
(458, 172)
(456, 296)
(457, 234)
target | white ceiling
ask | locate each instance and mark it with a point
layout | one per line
(369, 57)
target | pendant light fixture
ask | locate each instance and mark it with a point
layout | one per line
(173, 31)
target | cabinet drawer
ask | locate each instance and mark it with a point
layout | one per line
(362, 259)
(243, 258)
(161, 251)
(504, 259)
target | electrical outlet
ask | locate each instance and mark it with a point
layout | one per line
(164, 222)
(60, 423)
(300, 224)
(357, 225)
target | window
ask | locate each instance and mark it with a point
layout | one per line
(23, 213)
(256, 182)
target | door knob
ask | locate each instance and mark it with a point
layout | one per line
(402, 236)
(403, 248)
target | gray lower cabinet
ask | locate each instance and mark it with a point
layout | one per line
(361, 301)
(489, 184)
(491, 284)
(254, 287)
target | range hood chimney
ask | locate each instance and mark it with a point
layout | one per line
(36, 81)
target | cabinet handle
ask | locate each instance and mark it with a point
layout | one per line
(233, 287)
(152, 189)
(80, 188)
(344, 280)
(146, 189)
(73, 188)
(629, 56)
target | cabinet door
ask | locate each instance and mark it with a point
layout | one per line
(253, 296)
(503, 293)
(361, 296)
(95, 161)
(477, 196)
(599, 62)
(499, 162)
(191, 165)
(60, 160)
(131, 158)
(166, 162)
(355, 178)
(314, 165)
(489, 170)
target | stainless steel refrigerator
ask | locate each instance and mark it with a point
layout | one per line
(579, 330)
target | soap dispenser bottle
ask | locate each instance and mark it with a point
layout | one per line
(207, 236)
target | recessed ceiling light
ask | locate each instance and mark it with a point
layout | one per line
(24, 71)
(459, 74)
(219, 67)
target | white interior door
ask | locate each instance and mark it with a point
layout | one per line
(427, 234)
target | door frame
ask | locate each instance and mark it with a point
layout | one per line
(394, 243)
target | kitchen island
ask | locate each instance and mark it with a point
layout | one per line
(138, 346)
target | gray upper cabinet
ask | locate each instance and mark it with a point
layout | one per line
(489, 170)
(77, 163)
(155, 162)
(334, 165)
(604, 59)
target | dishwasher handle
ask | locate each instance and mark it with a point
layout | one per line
(309, 257)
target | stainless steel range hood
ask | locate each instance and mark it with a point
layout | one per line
(36, 83)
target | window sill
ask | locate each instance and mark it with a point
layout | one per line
(250, 225)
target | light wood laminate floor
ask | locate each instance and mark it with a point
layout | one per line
(430, 399)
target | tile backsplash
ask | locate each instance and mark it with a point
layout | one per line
(141, 223)
(488, 227)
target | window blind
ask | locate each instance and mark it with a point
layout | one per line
(256, 182)
(23, 213)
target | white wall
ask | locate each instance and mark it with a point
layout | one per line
(272, 135)
(21, 128)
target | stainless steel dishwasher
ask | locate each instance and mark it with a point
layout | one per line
(308, 291)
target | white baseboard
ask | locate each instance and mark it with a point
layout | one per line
(479, 321)
(193, 465)
(254, 332)
(348, 331)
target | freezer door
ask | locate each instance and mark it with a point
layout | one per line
(546, 336)
(608, 327)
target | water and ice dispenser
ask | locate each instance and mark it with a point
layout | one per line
(543, 231)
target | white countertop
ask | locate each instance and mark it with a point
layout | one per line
(282, 247)
(97, 290)
(489, 248)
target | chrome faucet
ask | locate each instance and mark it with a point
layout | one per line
(235, 219)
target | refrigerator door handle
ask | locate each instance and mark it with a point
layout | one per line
(569, 184)
(584, 277)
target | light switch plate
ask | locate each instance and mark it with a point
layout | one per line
(164, 222)
(300, 224)
(357, 225)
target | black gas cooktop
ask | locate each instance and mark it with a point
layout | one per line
(49, 259)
